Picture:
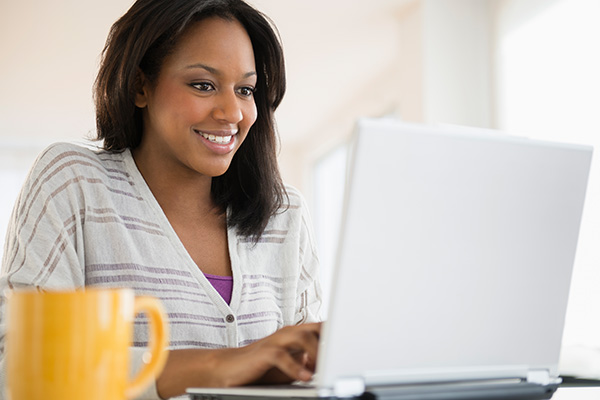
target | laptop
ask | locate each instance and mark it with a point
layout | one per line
(453, 268)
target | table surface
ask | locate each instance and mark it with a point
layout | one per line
(577, 393)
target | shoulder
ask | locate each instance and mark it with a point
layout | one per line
(69, 164)
(293, 213)
(74, 154)
(68, 158)
(294, 200)
(294, 209)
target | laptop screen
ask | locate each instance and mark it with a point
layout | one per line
(455, 256)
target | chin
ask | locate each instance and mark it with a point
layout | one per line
(216, 175)
(217, 171)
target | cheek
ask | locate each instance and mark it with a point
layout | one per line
(250, 115)
(178, 104)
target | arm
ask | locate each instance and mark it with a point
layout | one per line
(287, 355)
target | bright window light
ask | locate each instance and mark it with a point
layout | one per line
(549, 88)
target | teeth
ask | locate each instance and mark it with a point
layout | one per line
(216, 139)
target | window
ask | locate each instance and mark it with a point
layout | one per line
(548, 87)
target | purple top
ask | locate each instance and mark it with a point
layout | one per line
(223, 284)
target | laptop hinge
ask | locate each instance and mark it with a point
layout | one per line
(539, 376)
(348, 387)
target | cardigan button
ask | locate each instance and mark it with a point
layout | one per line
(230, 318)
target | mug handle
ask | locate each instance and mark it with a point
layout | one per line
(159, 336)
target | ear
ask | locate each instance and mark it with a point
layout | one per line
(141, 89)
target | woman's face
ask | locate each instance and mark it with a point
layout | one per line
(198, 112)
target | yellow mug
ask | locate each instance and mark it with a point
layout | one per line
(75, 345)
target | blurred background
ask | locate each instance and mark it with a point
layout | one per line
(528, 67)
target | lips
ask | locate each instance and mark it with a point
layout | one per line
(218, 142)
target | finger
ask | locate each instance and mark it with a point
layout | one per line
(287, 364)
(309, 363)
(309, 341)
(298, 343)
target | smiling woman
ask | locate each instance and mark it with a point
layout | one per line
(185, 201)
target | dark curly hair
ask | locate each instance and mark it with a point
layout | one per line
(141, 39)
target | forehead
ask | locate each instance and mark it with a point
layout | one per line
(216, 42)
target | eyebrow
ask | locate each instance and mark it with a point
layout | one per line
(216, 71)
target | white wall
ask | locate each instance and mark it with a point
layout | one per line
(49, 53)
(437, 71)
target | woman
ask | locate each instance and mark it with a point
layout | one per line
(185, 201)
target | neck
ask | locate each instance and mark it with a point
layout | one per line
(187, 193)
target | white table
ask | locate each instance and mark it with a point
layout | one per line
(577, 393)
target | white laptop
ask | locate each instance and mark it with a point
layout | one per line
(453, 269)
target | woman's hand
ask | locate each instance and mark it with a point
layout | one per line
(287, 355)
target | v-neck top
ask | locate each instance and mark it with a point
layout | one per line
(223, 285)
(86, 217)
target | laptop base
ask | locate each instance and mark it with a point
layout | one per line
(520, 391)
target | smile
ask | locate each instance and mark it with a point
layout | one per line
(216, 138)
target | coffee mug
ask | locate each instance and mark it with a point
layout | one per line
(75, 345)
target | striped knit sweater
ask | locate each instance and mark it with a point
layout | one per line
(87, 218)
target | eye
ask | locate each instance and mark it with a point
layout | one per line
(247, 91)
(203, 86)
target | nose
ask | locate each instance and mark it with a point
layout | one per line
(227, 108)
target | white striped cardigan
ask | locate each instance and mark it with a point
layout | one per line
(87, 218)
